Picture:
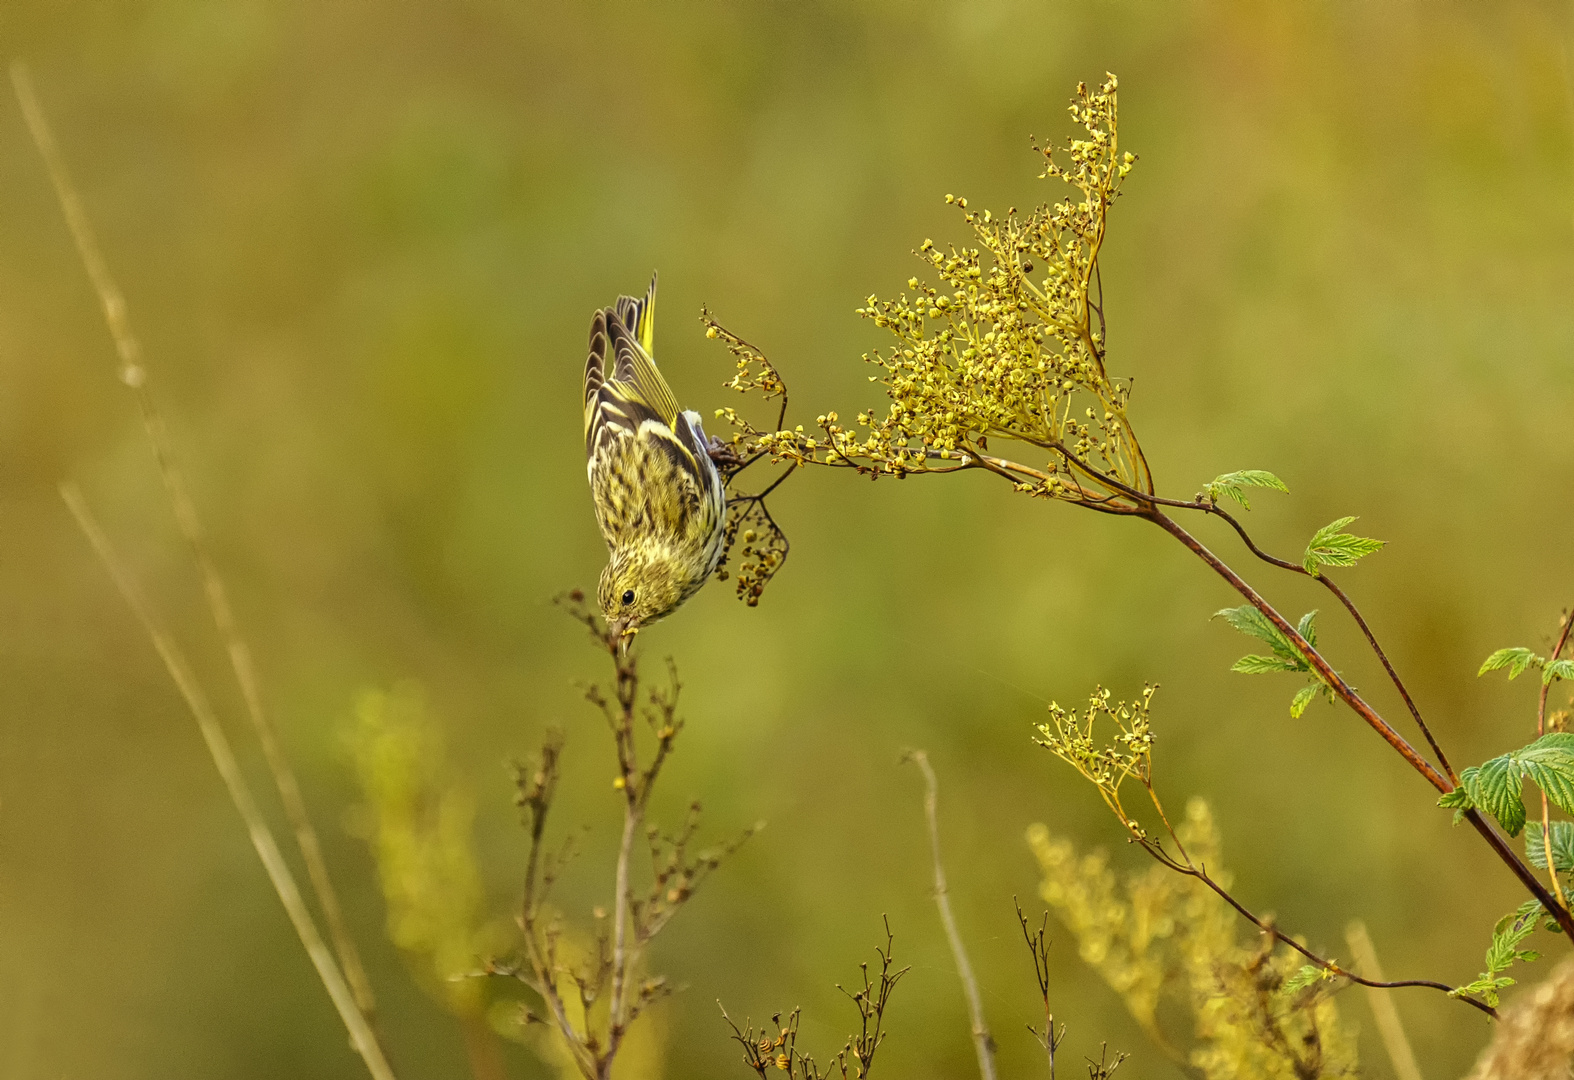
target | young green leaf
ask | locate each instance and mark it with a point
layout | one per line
(1331, 546)
(1309, 974)
(1303, 697)
(1253, 623)
(1286, 657)
(1496, 786)
(1557, 669)
(1511, 930)
(1307, 628)
(1232, 484)
(1549, 763)
(1562, 845)
(1458, 801)
(1516, 660)
(1252, 664)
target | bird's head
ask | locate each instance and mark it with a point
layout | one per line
(639, 586)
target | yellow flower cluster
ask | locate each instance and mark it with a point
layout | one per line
(1009, 344)
(1071, 737)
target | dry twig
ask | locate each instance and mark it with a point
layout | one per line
(983, 1042)
(764, 1052)
(612, 973)
(133, 373)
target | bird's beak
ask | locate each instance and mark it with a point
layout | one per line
(623, 630)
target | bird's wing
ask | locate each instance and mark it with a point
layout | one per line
(623, 388)
(636, 375)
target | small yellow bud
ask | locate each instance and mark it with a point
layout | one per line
(710, 332)
(782, 1062)
(619, 784)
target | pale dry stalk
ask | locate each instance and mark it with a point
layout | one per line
(983, 1042)
(134, 374)
(621, 960)
(1382, 1002)
(223, 754)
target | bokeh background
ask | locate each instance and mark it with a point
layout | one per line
(361, 244)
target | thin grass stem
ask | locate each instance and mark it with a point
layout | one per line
(133, 373)
(983, 1042)
(180, 671)
(1382, 1001)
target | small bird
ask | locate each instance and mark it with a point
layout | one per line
(659, 498)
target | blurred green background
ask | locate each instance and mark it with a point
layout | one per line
(361, 244)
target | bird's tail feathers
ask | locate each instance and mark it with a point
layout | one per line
(640, 317)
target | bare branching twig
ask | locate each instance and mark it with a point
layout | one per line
(1038, 945)
(766, 1053)
(593, 1003)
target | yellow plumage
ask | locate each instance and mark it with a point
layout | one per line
(658, 497)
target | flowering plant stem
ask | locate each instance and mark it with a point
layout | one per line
(1124, 500)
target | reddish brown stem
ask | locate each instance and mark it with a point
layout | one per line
(1201, 874)
(1541, 729)
(1326, 673)
(1355, 613)
(1546, 687)
(1348, 695)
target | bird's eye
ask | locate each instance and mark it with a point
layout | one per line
(628, 597)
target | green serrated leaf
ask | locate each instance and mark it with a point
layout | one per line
(1231, 484)
(1549, 763)
(1253, 623)
(1507, 935)
(1331, 546)
(1504, 951)
(1516, 660)
(1484, 988)
(1495, 787)
(1458, 801)
(1562, 845)
(1262, 665)
(1557, 669)
(1307, 628)
(1303, 697)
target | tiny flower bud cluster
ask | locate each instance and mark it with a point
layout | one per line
(1106, 761)
(1008, 343)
